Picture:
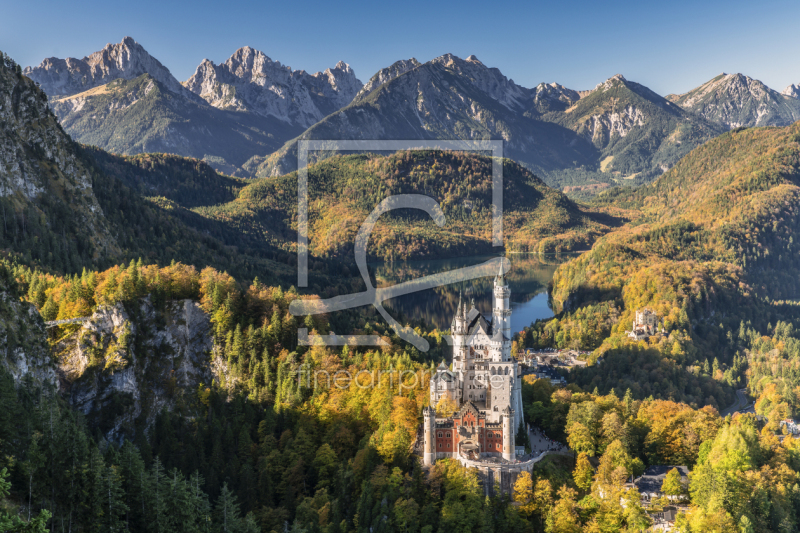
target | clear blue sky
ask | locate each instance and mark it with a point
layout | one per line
(668, 46)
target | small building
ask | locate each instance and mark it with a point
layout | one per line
(664, 520)
(791, 426)
(649, 483)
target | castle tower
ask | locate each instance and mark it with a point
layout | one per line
(501, 315)
(509, 450)
(429, 436)
(458, 328)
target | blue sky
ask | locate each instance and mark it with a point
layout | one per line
(667, 46)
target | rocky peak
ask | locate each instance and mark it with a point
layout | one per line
(126, 60)
(250, 81)
(489, 80)
(792, 91)
(739, 100)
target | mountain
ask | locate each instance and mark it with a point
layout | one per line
(445, 98)
(143, 115)
(736, 100)
(251, 81)
(792, 91)
(638, 134)
(64, 208)
(123, 100)
(618, 130)
(126, 60)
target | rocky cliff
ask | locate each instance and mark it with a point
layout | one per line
(736, 100)
(792, 91)
(126, 364)
(251, 81)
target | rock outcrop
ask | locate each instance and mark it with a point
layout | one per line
(251, 81)
(125, 365)
(792, 91)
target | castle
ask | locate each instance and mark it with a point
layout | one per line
(645, 324)
(484, 387)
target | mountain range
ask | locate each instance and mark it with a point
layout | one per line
(245, 115)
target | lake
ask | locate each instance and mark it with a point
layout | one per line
(528, 279)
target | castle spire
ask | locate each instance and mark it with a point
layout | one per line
(499, 280)
(460, 309)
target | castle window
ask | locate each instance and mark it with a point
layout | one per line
(440, 434)
(448, 435)
(440, 445)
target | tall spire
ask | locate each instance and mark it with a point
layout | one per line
(459, 312)
(499, 280)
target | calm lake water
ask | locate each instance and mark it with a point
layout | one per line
(528, 279)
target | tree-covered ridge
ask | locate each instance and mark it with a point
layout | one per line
(343, 190)
(186, 181)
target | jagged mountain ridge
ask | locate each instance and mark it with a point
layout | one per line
(142, 115)
(736, 100)
(250, 81)
(445, 98)
(123, 100)
(792, 90)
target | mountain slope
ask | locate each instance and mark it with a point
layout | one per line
(446, 98)
(142, 115)
(251, 81)
(736, 100)
(638, 133)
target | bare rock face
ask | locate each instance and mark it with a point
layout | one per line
(251, 81)
(793, 91)
(126, 60)
(124, 366)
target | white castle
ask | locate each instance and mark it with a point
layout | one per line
(484, 385)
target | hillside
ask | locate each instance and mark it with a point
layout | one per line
(343, 190)
(712, 251)
(736, 100)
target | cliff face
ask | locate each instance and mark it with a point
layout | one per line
(24, 352)
(126, 364)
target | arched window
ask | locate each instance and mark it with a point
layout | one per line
(440, 434)
(448, 435)
(440, 445)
